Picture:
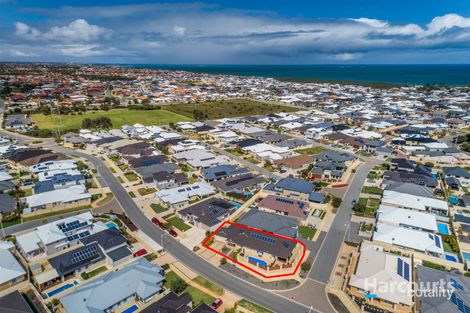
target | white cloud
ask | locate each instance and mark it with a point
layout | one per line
(166, 34)
(371, 22)
(179, 31)
(77, 30)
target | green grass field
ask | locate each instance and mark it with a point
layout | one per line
(197, 295)
(119, 117)
(175, 221)
(209, 285)
(228, 108)
(307, 232)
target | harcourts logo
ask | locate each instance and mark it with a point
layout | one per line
(438, 289)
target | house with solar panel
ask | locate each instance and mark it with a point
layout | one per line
(261, 250)
(380, 281)
(409, 239)
(209, 213)
(57, 236)
(107, 247)
(457, 300)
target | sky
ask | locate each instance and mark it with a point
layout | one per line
(237, 32)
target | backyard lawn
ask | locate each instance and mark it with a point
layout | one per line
(131, 176)
(158, 208)
(311, 150)
(119, 117)
(373, 190)
(146, 191)
(197, 295)
(178, 223)
(307, 232)
(228, 108)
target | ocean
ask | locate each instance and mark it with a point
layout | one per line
(452, 75)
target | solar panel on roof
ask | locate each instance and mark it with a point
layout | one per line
(400, 267)
(437, 241)
(406, 273)
(285, 244)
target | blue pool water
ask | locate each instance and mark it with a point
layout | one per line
(258, 261)
(111, 224)
(61, 289)
(453, 200)
(130, 309)
(237, 205)
(466, 256)
(451, 258)
(443, 228)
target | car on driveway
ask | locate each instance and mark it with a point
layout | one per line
(216, 304)
(141, 252)
(156, 221)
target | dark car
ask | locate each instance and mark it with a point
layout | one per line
(353, 202)
(156, 221)
(172, 233)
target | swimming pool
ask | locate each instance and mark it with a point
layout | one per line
(61, 289)
(111, 224)
(237, 205)
(443, 229)
(451, 258)
(466, 256)
(131, 309)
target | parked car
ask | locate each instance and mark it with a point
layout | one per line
(141, 252)
(172, 233)
(156, 221)
(353, 202)
(216, 304)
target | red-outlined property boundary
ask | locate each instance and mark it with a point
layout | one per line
(204, 244)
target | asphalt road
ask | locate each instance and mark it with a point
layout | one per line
(325, 261)
(243, 289)
(183, 254)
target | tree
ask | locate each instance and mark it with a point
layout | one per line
(87, 123)
(199, 115)
(223, 261)
(305, 267)
(336, 202)
(178, 285)
(359, 208)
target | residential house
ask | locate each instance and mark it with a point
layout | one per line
(285, 206)
(454, 299)
(296, 188)
(239, 183)
(8, 207)
(371, 269)
(414, 202)
(457, 174)
(222, 171)
(140, 281)
(208, 214)
(71, 197)
(11, 271)
(271, 223)
(409, 239)
(14, 302)
(179, 197)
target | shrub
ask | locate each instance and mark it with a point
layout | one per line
(336, 202)
(178, 285)
(223, 261)
(305, 267)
